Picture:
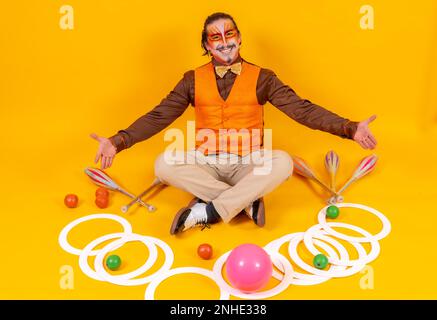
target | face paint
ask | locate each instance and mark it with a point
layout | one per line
(223, 41)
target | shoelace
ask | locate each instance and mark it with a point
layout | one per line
(202, 222)
(205, 225)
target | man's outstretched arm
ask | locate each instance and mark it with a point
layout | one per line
(147, 125)
(313, 116)
(304, 111)
(170, 108)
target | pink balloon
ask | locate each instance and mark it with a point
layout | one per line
(249, 267)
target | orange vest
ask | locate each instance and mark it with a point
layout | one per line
(234, 125)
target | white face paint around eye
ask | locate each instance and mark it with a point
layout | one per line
(223, 41)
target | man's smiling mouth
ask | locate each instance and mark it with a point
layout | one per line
(226, 51)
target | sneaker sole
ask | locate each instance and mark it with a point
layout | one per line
(261, 217)
(179, 213)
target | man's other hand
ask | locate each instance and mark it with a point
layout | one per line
(363, 136)
(106, 151)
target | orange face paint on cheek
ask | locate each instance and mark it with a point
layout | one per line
(214, 44)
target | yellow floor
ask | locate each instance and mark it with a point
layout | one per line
(58, 86)
(34, 214)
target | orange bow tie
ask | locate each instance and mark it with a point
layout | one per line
(235, 68)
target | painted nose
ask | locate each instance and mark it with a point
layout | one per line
(224, 42)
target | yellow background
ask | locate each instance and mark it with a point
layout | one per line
(123, 57)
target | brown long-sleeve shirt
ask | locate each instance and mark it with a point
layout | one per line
(269, 89)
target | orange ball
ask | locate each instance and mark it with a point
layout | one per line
(71, 200)
(205, 251)
(102, 202)
(102, 192)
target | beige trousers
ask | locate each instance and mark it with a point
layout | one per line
(231, 182)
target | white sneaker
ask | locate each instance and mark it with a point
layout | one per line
(193, 215)
(196, 217)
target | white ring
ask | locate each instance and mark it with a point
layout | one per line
(83, 257)
(64, 233)
(344, 255)
(151, 288)
(319, 235)
(218, 266)
(153, 254)
(300, 279)
(386, 226)
(363, 257)
(169, 257)
(292, 250)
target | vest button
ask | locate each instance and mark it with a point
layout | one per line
(224, 105)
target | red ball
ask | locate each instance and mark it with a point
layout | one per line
(102, 202)
(102, 192)
(71, 200)
(205, 251)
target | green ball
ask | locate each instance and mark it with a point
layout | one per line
(332, 212)
(320, 261)
(113, 262)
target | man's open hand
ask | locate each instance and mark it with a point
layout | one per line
(106, 151)
(364, 136)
